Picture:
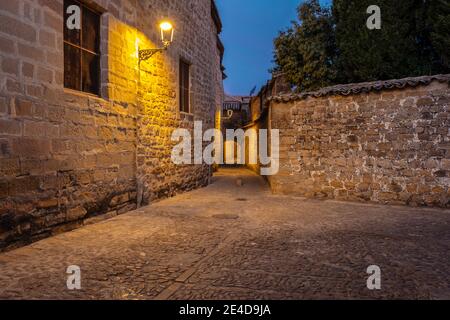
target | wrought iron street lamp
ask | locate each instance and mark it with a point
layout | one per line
(166, 39)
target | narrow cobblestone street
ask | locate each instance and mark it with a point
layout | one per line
(241, 242)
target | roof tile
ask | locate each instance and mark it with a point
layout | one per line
(364, 87)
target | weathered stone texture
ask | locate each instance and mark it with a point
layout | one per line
(198, 246)
(389, 146)
(67, 157)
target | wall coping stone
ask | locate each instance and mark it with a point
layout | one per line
(363, 87)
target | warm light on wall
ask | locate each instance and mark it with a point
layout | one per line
(137, 42)
(167, 32)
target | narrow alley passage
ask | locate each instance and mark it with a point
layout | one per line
(235, 240)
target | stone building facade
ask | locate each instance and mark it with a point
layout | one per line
(68, 158)
(385, 142)
(235, 114)
(235, 111)
(276, 86)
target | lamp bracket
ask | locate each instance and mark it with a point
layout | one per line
(148, 53)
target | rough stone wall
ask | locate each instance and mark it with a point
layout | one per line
(389, 146)
(69, 158)
(256, 107)
(196, 43)
(262, 122)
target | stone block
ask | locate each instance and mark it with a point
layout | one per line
(3, 105)
(387, 196)
(337, 184)
(445, 164)
(66, 227)
(425, 101)
(47, 203)
(5, 148)
(27, 69)
(55, 6)
(10, 127)
(13, 86)
(75, 213)
(45, 75)
(53, 20)
(7, 45)
(40, 129)
(4, 188)
(10, 66)
(120, 199)
(31, 52)
(9, 166)
(47, 39)
(23, 108)
(31, 147)
(23, 185)
(100, 218)
(15, 27)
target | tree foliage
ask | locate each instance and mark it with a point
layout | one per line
(439, 22)
(335, 46)
(305, 51)
(367, 55)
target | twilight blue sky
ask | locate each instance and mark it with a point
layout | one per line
(249, 29)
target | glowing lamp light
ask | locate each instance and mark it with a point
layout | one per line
(166, 26)
(167, 32)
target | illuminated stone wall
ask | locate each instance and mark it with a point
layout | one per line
(252, 146)
(68, 158)
(384, 142)
(196, 44)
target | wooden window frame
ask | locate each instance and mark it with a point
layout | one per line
(80, 47)
(183, 89)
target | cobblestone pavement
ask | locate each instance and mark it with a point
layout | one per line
(241, 242)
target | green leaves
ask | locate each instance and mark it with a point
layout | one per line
(326, 47)
(303, 52)
(439, 19)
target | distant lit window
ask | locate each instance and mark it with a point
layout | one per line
(82, 50)
(184, 87)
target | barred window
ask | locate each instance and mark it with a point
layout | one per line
(82, 49)
(184, 87)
